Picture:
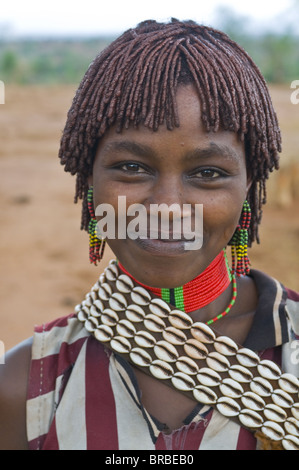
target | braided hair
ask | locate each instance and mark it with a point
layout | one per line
(134, 81)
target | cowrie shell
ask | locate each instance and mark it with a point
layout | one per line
(140, 296)
(295, 410)
(182, 381)
(208, 377)
(120, 344)
(93, 296)
(240, 373)
(291, 426)
(140, 357)
(174, 336)
(77, 308)
(289, 383)
(117, 302)
(273, 430)
(290, 443)
(111, 272)
(165, 351)
(82, 316)
(269, 370)
(195, 349)
(204, 395)
(105, 291)
(135, 313)
(96, 312)
(247, 358)
(252, 401)
(159, 307)
(154, 323)
(99, 305)
(282, 398)
(126, 328)
(225, 346)
(261, 386)
(217, 362)
(186, 365)
(87, 301)
(250, 419)
(103, 333)
(85, 310)
(109, 317)
(231, 388)
(228, 406)
(144, 339)
(96, 286)
(275, 413)
(161, 370)
(202, 333)
(180, 320)
(124, 284)
(91, 324)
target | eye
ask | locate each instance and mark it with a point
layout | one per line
(132, 167)
(208, 173)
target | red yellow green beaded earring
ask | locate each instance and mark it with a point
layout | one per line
(96, 245)
(239, 243)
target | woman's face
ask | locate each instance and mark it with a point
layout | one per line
(186, 166)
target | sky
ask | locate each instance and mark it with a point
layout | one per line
(95, 17)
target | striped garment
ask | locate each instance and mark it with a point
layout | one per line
(82, 396)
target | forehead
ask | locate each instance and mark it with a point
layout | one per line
(189, 135)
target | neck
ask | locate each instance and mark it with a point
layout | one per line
(198, 292)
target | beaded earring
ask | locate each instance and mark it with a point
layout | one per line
(239, 243)
(96, 245)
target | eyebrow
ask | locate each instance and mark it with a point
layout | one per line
(213, 150)
(130, 146)
(143, 150)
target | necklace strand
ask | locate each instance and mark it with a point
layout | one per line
(201, 291)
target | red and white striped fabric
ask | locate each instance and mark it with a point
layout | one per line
(82, 396)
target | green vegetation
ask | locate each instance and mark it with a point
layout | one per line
(47, 61)
(65, 61)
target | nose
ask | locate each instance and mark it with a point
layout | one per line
(168, 190)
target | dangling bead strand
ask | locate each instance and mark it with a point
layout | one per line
(96, 246)
(228, 309)
(240, 244)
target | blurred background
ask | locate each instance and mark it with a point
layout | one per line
(45, 49)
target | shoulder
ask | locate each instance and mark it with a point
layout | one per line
(14, 373)
(292, 307)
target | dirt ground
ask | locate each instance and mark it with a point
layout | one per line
(44, 256)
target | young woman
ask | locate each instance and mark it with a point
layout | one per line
(174, 347)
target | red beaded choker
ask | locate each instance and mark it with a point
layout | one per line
(201, 291)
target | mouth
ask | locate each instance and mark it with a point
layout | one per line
(161, 247)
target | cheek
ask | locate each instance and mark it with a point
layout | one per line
(221, 216)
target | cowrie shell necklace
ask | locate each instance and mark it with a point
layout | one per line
(189, 356)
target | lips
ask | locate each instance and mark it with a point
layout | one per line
(162, 247)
